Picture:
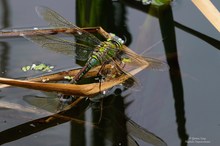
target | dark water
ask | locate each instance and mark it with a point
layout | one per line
(180, 106)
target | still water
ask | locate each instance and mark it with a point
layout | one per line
(180, 106)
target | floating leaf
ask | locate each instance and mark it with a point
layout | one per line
(26, 68)
(38, 67)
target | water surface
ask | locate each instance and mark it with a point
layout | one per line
(180, 106)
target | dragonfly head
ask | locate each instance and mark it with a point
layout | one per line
(116, 38)
(116, 43)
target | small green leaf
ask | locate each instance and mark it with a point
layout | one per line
(38, 67)
(26, 68)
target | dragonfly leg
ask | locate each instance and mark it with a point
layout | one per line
(101, 79)
(101, 110)
(101, 69)
(122, 65)
(64, 100)
(100, 75)
(73, 81)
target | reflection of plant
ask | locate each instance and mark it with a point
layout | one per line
(89, 12)
(111, 15)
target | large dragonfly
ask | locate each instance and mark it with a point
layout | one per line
(89, 48)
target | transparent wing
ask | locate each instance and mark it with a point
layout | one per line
(128, 61)
(47, 103)
(56, 20)
(154, 64)
(62, 46)
(122, 69)
(139, 132)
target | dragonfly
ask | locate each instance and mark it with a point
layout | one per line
(89, 48)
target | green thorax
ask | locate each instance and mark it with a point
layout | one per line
(105, 52)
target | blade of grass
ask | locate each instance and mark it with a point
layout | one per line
(209, 11)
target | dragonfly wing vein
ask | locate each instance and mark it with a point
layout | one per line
(56, 20)
(62, 46)
(154, 64)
